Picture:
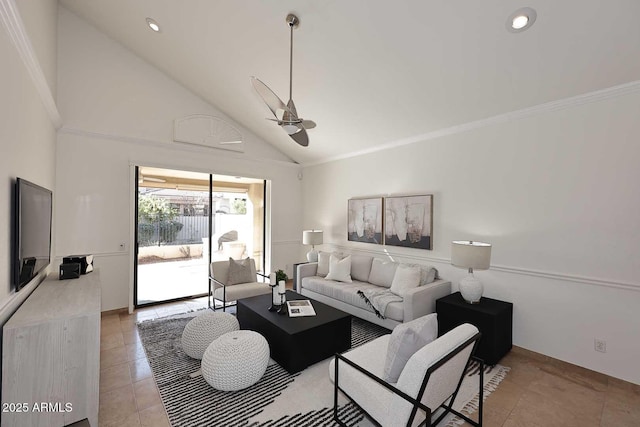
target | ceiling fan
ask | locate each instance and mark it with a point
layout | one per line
(286, 114)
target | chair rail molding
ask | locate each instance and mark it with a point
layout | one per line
(14, 25)
(594, 281)
(286, 242)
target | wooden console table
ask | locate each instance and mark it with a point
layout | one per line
(51, 355)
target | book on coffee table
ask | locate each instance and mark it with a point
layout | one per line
(299, 308)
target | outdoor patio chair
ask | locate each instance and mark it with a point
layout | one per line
(229, 236)
(426, 388)
(228, 283)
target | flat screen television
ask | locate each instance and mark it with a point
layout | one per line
(32, 248)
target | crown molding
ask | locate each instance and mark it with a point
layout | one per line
(12, 22)
(173, 146)
(574, 101)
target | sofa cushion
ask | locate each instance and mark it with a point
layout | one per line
(406, 277)
(348, 294)
(382, 272)
(405, 340)
(244, 290)
(340, 269)
(240, 271)
(361, 267)
(323, 262)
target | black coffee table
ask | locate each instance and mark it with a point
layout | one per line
(297, 342)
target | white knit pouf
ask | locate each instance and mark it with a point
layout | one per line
(235, 361)
(202, 330)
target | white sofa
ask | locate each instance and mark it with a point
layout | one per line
(368, 272)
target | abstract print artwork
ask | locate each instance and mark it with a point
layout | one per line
(408, 221)
(365, 220)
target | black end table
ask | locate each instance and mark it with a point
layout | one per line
(492, 317)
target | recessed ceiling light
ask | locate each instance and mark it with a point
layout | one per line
(153, 25)
(521, 20)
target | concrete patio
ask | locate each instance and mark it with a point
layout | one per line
(169, 280)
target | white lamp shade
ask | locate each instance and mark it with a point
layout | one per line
(468, 254)
(312, 237)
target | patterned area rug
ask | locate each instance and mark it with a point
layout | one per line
(278, 399)
(191, 402)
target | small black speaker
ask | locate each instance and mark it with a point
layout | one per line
(85, 261)
(70, 270)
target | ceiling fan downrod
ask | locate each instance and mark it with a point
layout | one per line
(292, 21)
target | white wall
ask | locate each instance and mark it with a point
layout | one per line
(119, 111)
(27, 135)
(557, 196)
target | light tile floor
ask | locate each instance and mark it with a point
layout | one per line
(128, 394)
(538, 392)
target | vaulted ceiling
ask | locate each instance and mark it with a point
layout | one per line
(372, 72)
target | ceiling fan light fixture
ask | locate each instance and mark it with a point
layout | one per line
(521, 20)
(291, 129)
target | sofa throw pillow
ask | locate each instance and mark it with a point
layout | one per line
(323, 262)
(239, 272)
(361, 267)
(382, 272)
(406, 339)
(339, 269)
(406, 277)
(428, 273)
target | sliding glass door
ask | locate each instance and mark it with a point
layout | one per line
(185, 220)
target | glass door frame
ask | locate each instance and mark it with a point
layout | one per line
(266, 253)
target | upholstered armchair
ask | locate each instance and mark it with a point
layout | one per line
(426, 386)
(232, 280)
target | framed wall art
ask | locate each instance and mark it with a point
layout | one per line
(408, 221)
(365, 220)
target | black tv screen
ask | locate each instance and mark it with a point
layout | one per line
(33, 207)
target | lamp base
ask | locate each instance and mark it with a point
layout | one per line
(312, 256)
(471, 289)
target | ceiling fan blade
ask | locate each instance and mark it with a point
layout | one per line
(301, 137)
(308, 124)
(275, 104)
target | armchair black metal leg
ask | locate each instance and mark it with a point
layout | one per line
(481, 393)
(335, 394)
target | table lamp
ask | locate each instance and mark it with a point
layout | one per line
(469, 254)
(313, 238)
